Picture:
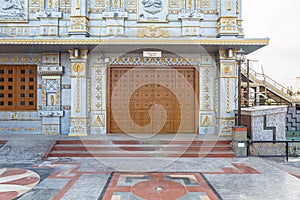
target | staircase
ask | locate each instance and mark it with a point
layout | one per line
(268, 88)
(141, 149)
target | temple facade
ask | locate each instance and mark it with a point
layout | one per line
(81, 67)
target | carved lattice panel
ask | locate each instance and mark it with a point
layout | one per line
(140, 90)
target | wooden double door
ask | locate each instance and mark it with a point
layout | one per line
(152, 100)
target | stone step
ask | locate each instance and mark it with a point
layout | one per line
(135, 142)
(140, 148)
(225, 154)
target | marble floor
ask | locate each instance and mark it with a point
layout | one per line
(24, 175)
(185, 179)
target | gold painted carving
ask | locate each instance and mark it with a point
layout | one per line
(174, 3)
(58, 97)
(14, 116)
(237, 7)
(78, 95)
(227, 69)
(190, 5)
(44, 97)
(206, 120)
(78, 68)
(153, 31)
(228, 95)
(52, 100)
(77, 5)
(229, 5)
(34, 3)
(205, 3)
(50, 4)
(99, 3)
(99, 122)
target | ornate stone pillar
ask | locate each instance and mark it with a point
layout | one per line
(207, 90)
(79, 92)
(51, 112)
(228, 23)
(98, 94)
(227, 92)
(79, 19)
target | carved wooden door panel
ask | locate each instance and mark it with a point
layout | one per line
(152, 100)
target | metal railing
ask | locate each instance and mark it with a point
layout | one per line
(275, 148)
(270, 84)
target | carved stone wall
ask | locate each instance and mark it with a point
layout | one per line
(194, 18)
(51, 110)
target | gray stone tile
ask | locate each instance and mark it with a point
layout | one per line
(28, 150)
(88, 186)
(52, 183)
(39, 194)
(252, 187)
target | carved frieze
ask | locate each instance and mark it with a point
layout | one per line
(153, 31)
(153, 10)
(13, 10)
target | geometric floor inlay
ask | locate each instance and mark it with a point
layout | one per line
(15, 182)
(158, 186)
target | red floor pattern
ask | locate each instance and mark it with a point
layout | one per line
(296, 175)
(150, 186)
(158, 186)
(15, 182)
(237, 168)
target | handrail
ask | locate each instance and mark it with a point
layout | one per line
(270, 83)
(274, 142)
(265, 78)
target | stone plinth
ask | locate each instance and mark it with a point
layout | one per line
(265, 123)
(239, 141)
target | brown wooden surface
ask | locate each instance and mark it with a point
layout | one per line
(18, 87)
(157, 92)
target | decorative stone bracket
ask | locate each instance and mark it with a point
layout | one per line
(49, 22)
(51, 113)
(190, 23)
(228, 26)
(79, 26)
(51, 70)
(115, 22)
